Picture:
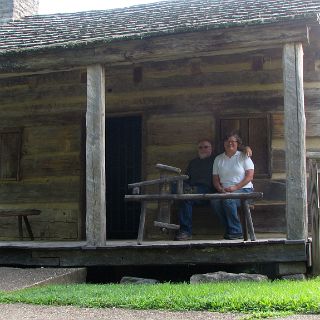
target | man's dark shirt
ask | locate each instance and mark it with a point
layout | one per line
(200, 171)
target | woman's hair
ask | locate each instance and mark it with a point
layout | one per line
(236, 136)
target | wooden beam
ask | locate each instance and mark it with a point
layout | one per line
(295, 131)
(95, 159)
(127, 253)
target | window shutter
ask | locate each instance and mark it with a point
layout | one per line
(10, 143)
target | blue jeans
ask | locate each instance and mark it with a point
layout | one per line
(185, 211)
(227, 213)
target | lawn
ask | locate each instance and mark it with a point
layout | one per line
(256, 300)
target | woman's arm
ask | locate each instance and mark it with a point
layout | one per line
(247, 178)
(217, 184)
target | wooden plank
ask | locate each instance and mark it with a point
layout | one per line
(95, 157)
(182, 254)
(150, 253)
(158, 181)
(295, 132)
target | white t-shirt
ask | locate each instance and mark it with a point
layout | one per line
(232, 170)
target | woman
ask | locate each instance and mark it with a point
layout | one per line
(232, 172)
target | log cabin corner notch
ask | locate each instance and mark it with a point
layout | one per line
(196, 69)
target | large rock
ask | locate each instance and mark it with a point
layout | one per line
(298, 276)
(135, 280)
(225, 276)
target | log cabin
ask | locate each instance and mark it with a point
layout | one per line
(91, 101)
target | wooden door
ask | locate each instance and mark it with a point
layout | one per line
(254, 131)
(123, 166)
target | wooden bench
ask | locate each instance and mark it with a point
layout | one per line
(243, 197)
(21, 214)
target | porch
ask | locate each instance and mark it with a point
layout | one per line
(284, 256)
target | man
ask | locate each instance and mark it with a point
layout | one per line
(199, 171)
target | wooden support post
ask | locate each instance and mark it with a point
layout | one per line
(95, 155)
(295, 127)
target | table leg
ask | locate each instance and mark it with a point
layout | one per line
(20, 227)
(26, 221)
(142, 222)
(248, 219)
(243, 222)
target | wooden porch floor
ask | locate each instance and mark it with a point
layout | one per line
(128, 252)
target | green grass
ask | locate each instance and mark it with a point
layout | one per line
(257, 300)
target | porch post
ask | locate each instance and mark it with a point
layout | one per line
(295, 127)
(95, 157)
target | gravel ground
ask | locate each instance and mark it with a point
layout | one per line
(19, 278)
(32, 312)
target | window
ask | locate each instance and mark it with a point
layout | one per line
(10, 146)
(255, 132)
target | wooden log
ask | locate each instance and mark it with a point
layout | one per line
(95, 157)
(295, 132)
(313, 155)
(27, 119)
(189, 81)
(158, 181)
(168, 168)
(164, 225)
(46, 190)
(17, 212)
(196, 196)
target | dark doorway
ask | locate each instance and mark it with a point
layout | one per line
(123, 166)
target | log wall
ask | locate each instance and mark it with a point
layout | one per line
(49, 108)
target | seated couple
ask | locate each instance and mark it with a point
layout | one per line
(231, 171)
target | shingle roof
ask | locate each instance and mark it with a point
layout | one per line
(70, 29)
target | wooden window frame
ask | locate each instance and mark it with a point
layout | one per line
(18, 131)
(219, 138)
